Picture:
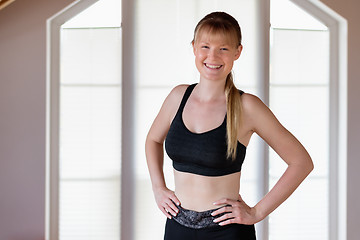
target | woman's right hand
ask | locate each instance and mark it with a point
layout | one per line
(166, 199)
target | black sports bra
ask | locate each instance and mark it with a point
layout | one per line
(201, 153)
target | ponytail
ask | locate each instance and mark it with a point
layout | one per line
(234, 115)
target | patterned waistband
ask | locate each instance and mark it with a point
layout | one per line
(196, 220)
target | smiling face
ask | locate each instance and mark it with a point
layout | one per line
(215, 54)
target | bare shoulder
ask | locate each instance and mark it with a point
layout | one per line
(260, 119)
(256, 114)
(174, 98)
(167, 112)
(178, 92)
(252, 104)
(172, 102)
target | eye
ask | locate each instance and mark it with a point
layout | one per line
(224, 49)
(205, 47)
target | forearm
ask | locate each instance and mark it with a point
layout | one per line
(285, 186)
(164, 197)
(155, 158)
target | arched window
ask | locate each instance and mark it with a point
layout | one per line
(308, 93)
(85, 121)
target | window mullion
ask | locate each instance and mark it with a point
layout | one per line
(263, 80)
(128, 153)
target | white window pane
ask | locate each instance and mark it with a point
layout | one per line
(299, 97)
(154, 97)
(305, 112)
(90, 124)
(90, 130)
(91, 56)
(299, 57)
(285, 14)
(249, 187)
(246, 68)
(146, 113)
(87, 210)
(150, 221)
(164, 59)
(104, 13)
(304, 215)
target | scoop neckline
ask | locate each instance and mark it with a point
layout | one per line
(205, 132)
(201, 133)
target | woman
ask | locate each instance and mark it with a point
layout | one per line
(206, 128)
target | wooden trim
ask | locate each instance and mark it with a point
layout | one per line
(4, 3)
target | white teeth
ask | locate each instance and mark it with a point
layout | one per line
(213, 66)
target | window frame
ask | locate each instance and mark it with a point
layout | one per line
(53, 27)
(337, 26)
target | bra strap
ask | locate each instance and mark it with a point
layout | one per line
(186, 96)
(187, 93)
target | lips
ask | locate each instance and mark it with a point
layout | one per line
(212, 66)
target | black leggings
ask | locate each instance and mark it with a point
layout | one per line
(176, 231)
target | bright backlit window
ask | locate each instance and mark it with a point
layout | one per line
(90, 121)
(299, 97)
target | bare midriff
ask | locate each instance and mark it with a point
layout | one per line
(198, 193)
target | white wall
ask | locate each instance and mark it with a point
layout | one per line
(22, 116)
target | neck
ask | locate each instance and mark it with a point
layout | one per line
(210, 90)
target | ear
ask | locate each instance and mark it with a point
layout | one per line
(193, 45)
(238, 52)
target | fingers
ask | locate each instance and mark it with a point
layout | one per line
(229, 221)
(165, 213)
(166, 203)
(171, 203)
(170, 207)
(175, 199)
(168, 210)
(222, 210)
(226, 216)
(239, 212)
(234, 212)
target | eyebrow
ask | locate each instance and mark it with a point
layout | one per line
(226, 44)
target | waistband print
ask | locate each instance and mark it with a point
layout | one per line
(196, 220)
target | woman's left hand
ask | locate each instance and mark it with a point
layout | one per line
(236, 211)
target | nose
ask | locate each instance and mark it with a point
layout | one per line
(213, 53)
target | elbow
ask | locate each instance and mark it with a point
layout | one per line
(309, 166)
(304, 166)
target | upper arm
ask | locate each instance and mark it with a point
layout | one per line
(161, 124)
(261, 120)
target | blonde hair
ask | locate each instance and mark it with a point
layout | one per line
(224, 24)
